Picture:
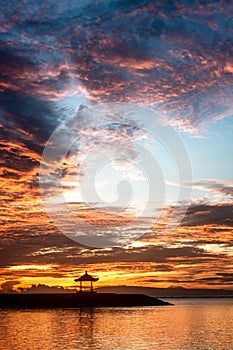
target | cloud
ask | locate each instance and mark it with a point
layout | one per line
(175, 58)
(205, 214)
(219, 186)
(7, 286)
(42, 288)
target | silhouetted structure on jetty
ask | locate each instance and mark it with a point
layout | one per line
(86, 278)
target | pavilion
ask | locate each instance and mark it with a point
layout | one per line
(86, 278)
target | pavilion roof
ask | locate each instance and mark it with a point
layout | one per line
(86, 277)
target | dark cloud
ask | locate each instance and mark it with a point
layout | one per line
(8, 285)
(27, 112)
(206, 214)
(227, 277)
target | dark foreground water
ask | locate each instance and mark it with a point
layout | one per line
(190, 324)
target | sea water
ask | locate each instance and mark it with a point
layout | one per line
(189, 324)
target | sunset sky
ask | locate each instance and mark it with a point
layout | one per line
(69, 72)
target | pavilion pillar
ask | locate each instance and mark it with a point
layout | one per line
(80, 288)
(91, 286)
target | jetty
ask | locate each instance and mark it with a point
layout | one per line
(72, 300)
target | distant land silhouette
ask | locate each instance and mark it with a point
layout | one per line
(171, 292)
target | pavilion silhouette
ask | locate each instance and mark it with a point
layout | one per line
(83, 279)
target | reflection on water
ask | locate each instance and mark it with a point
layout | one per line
(190, 324)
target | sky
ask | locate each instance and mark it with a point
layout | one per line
(116, 143)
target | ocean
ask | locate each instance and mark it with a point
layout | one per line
(188, 325)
